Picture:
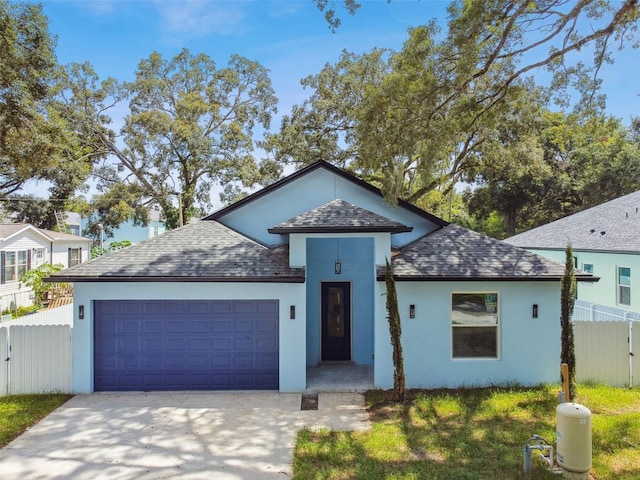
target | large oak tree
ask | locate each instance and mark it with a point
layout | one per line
(189, 126)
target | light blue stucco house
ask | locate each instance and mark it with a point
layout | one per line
(292, 277)
(606, 242)
(127, 231)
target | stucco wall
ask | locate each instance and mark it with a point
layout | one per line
(356, 256)
(605, 291)
(291, 332)
(313, 190)
(529, 348)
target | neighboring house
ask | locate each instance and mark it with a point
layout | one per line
(23, 247)
(293, 276)
(605, 241)
(126, 231)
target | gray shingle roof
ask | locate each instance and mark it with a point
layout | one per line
(612, 226)
(338, 215)
(455, 253)
(9, 229)
(202, 251)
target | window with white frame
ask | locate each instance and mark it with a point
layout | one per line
(624, 286)
(15, 265)
(75, 256)
(474, 324)
(38, 256)
(587, 267)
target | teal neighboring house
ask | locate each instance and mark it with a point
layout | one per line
(76, 224)
(293, 276)
(606, 243)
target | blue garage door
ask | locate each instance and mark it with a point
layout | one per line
(145, 345)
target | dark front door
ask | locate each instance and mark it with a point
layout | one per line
(336, 321)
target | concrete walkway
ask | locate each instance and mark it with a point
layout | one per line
(190, 435)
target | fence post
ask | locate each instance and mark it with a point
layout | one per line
(564, 371)
(630, 340)
(592, 309)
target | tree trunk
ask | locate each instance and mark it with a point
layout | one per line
(395, 331)
(567, 301)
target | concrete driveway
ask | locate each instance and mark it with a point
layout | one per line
(186, 435)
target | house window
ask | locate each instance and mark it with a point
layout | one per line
(75, 256)
(474, 325)
(38, 256)
(624, 286)
(587, 267)
(15, 265)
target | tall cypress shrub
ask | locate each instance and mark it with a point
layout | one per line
(567, 301)
(395, 331)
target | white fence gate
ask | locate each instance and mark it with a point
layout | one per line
(607, 351)
(36, 354)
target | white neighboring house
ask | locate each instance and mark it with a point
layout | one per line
(23, 247)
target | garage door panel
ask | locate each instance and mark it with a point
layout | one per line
(243, 361)
(221, 306)
(244, 307)
(243, 326)
(222, 344)
(173, 306)
(267, 343)
(267, 307)
(199, 307)
(244, 343)
(221, 326)
(199, 326)
(150, 362)
(186, 345)
(218, 361)
(129, 326)
(151, 326)
(266, 326)
(267, 360)
(152, 307)
(130, 308)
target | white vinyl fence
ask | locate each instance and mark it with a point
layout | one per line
(51, 316)
(35, 353)
(607, 351)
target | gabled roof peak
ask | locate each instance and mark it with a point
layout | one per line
(321, 164)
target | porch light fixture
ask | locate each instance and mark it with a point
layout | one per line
(412, 311)
(81, 312)
(292, 312)
(338, 267)
(534, 311)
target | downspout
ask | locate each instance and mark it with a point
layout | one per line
(51, 252)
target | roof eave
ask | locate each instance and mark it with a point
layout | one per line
(503, 278)
(166, 279)
(285, 230)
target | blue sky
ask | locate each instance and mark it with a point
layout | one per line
(289, 37)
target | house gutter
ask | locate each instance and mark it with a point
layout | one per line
(381, 278)
(132, 279)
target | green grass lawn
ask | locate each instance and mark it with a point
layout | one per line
(19, 412)
(470, 434)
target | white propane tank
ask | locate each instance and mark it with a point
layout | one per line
(573, 437)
